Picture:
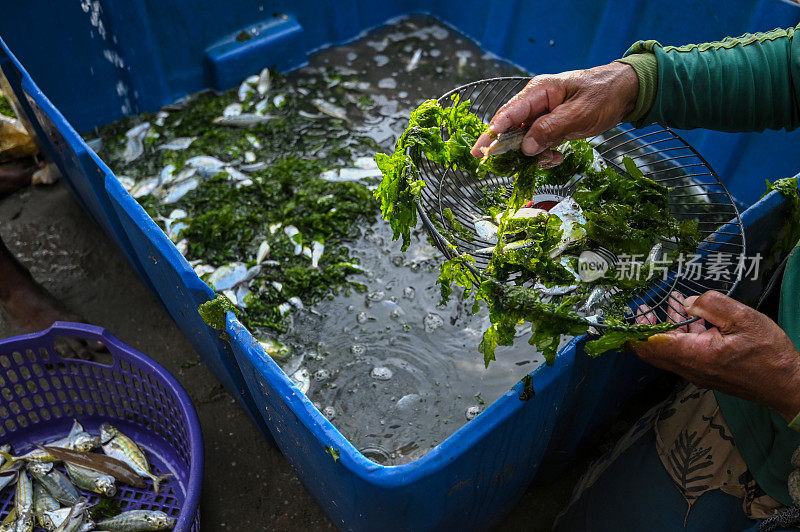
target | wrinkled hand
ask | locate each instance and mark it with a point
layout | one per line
(743, 353)
(567, 106)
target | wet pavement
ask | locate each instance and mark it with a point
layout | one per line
(248, 484)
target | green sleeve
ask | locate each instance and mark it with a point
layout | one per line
(747, 83)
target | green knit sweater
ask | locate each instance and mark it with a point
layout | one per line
(747, 83)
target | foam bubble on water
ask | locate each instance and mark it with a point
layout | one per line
(362, 317)
(381, 373)
(409, 292)
(329, 412)
(432, 322)
(380, 60)
(352, 56)
(387, 83)
(473, 411)
(322, 375)
(435, 52)
(376, 296)
(358, 349)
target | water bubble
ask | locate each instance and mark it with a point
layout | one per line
(376, 296)
(322, 375)
(329, 412)
(381, 373)
(473, 411)
(432, 322)
(381, 60)
(435, 53)
(351, 56)
(362, 317)
(387, 83)
(409, 292)
(358, 349)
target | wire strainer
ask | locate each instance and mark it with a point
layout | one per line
(695, 192)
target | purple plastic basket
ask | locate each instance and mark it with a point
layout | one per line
(41, 392)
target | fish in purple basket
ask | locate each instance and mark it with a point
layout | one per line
(138, 521)
(77, 440)
(117, 445)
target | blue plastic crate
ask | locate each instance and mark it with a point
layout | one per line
(99, 60)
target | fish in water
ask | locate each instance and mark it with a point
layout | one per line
(138, 521)
(334, 111)
(243, 120)
(134, 147)
(412, 64)
(119, 446)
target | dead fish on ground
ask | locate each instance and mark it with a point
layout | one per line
(334, 111)
(206, 165)
(264, 83)
(143, 188)
(234, 109)
(317, 249)
(263, 251)
(228, 276)
(180, 190)
(243, 120)
(255, 167)
(177, 144)
(133, 146)
(344, 175)
(244, 90)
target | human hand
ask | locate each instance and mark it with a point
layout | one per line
(743, 353)
(567, 106)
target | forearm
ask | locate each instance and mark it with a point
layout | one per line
(748, 83)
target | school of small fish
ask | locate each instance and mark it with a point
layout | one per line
(59, 500)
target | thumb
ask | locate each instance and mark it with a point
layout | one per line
(552, 129)
(720, 310)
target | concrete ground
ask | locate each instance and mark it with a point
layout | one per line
(248, 484)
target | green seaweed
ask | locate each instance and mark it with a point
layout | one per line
(333, 452)
(214, 311)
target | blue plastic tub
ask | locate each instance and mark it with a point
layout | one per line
(98, 60)
(42, 392)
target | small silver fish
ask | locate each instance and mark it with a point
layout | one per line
(263, 251)
(133, 146)
(180, 190)
(43, 502)
(264, 83)
(302, 379)
(138, 521)
(77, 440)
(76, 519)
(177, 144)
(412, 64)
(91, 480)
(127, 182)
(255, 167)
(243, 120)
(205, 165)
(55, 482)
(228, 276)
(317, 249)
(505, 141)
(119, 446)
(330, 109)
(234, 109)
(244, 90)
(143, 188)
(23, 502)
(235, 174)
(278, 100)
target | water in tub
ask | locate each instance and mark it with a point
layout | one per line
(393, 370)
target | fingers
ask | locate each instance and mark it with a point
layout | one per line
(646, 316)
(564, 122)
(720, 310)
(540, 95)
